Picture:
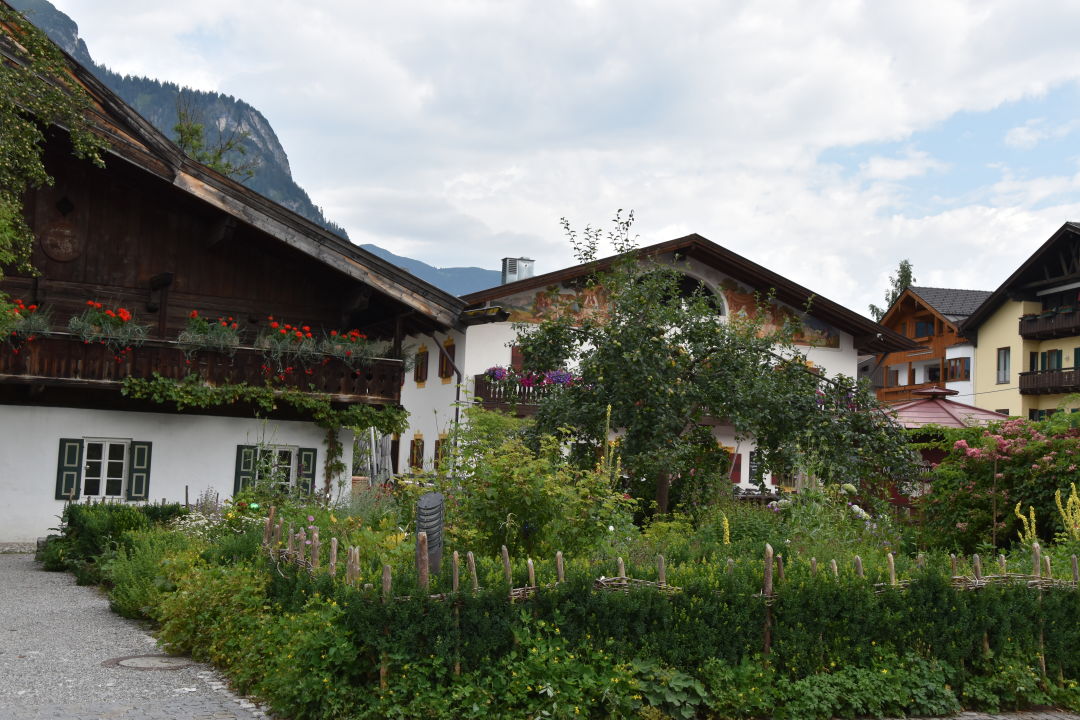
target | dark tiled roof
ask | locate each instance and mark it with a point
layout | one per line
(950, 302)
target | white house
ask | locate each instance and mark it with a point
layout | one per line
(832, 337)
(162, 236)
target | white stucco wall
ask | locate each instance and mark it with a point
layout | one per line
(966, 388)
(431, 404)
(197, 451)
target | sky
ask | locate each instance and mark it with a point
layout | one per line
(824, 140)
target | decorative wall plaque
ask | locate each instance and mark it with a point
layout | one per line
(61, 241)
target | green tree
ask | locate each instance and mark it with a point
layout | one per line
(669, 367)
(227, 154)
(37, 92)
(901, 281)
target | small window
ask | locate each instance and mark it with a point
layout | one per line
(958, 369)
(416, 453)
(924, 328)
(446, 361)
(420, 369)
(103, 468)
(933, 373)
(1003, 365)
(282, 467)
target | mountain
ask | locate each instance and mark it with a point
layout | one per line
(454, 280)
(220, 114)
(158, 101)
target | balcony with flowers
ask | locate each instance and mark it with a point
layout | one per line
(508, 390)
(103, 346)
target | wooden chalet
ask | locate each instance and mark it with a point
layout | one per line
(162, 235)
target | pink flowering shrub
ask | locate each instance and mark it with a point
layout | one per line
(988, 470)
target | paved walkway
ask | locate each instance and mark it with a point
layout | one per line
(55, 637)
(60, 646)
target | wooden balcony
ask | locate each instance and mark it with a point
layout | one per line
(1061, 324)
(60, 359)
(513, 398)
(1048, 382)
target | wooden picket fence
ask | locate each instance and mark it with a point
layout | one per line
(304, 551)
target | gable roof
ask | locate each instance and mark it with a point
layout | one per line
(1027, 277)
(135, 140)
(952, 303)
(869, 336)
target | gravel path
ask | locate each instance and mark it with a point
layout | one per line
(55, 637)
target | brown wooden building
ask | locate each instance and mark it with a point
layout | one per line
(161, 235)
(930, 317)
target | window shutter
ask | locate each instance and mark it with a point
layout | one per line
(305, 469)
(69, 469)
(138, 487)
(736, 468)
(517, 358)
(421, 368)
(245, 467)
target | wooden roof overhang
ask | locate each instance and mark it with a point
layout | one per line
(420, 306)
(1033, 275)
(869, 336)
(908, 294)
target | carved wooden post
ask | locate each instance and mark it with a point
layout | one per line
(422, 561)
(560, 570)
(333, 558)
(471, 562)
(661, 570)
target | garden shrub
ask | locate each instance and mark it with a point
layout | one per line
(138, 574)
(90, 532)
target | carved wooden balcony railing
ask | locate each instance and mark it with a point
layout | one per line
(61, 359)
(1047, 325)
(508, 397)
(1046, 382)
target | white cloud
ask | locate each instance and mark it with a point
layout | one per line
(1033, 132)
(450, 131)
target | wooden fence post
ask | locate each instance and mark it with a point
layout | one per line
(384, 663)
(976, 567)
(779, 568)
(455, 567)
(952, 564)
(1076, 571)
(267, 527)
(455, 563)
(315, 547)
(661, 570)
(560, 568)
(835, 569)
(730, 565)
(471, 562)
(620, 567)
(1036, 560)
(766, 591)
(507, 573)
(532, 572)
(301, 547)
(422, 560)
(920, 561)
(1046, 564)
(813, 565)
(892, 568)
(1003, 564)
(333, 558)
(858, 566)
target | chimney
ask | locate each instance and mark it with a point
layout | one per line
(516, 269)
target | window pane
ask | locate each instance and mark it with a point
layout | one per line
(93, 451)
(116, 470)
(114, 486)
(116, 451)
(91, 486)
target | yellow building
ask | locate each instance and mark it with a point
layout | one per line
(1027, 334)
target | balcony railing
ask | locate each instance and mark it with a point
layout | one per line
(509, 397)
(1050, 325)
(1045, 382)
(61, 359)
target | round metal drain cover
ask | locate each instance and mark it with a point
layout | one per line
(150, 662)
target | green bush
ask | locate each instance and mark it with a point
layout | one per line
(139, 574)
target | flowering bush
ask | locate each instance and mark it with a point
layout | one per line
(221, 335)
(113, 328)
(353, 347)
(21, 323)
(286, 346)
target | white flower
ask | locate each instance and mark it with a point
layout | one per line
(611, 528)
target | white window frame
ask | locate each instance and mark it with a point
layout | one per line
(103, 477)
(1004, 362)
(293, 468)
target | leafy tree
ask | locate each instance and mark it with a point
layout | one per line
(37, 91)
(901, 281)
(226, 154)
(666, 366)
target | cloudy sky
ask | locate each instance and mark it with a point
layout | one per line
(824, 140)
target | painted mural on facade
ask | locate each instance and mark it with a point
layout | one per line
(591, 303)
